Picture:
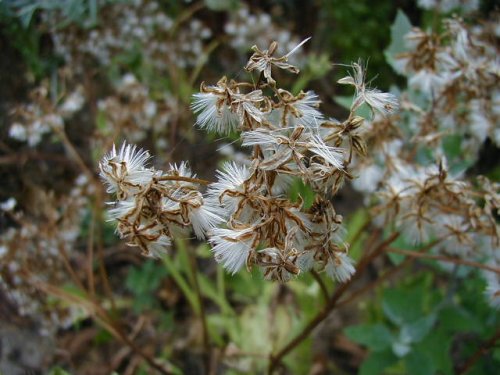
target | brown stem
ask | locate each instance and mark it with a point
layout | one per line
(151, 361)
(183, 178)
(101, 317)
(418, 254)
(22, 157)
(74, 153)
(90, 254)
(276, 359)
(206, 54)
(482, 350)
(69, 268)
(186, 15)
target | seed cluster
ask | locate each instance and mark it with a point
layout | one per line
(289, 139)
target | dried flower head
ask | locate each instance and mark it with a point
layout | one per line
(246, 214)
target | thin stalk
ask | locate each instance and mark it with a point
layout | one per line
(90, 255)
(101, 317)
(181, 283)
(321, 284)
(74, 153)
(201, 310)
(442, 258)
(183, 178)
(221, 283)
(359, 233)
(150, 360)
(481, 351)
(69, 268)
(202, 61)
(186, 15)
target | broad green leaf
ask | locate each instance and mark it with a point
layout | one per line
(346, 102)
(416, 331)
(402, 305)
(377, 362)
(437, 347)
(374, 336)
(399, 29)
(457, 319)
(299, 189)
(26, 14)
(396, 259)
(222, 5)
(419, 363)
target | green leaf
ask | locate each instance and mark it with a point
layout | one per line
(246, 287)
(346, 102)
(395, 258)
(374, 336)
(419, 363)
(456, 319)
(416, 331)
(222, 5)
(58, 371)
(299, 189)
(26, 14)
(399, 29)
(377, 362)
(402, 305)
(401, 348)
(143, 281)
(437, 348)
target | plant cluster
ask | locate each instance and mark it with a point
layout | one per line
(267, 189)
(415, 181)
(289, 138)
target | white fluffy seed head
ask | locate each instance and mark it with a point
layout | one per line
(125, 170)
(212, 116)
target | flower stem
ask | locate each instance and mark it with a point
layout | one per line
(183, 178)
(442, 258)
(201, 310)
(482, 350)
(321, 284)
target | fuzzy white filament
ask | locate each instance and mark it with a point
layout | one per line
(212, 115)
(231, 247)
(126, 169)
